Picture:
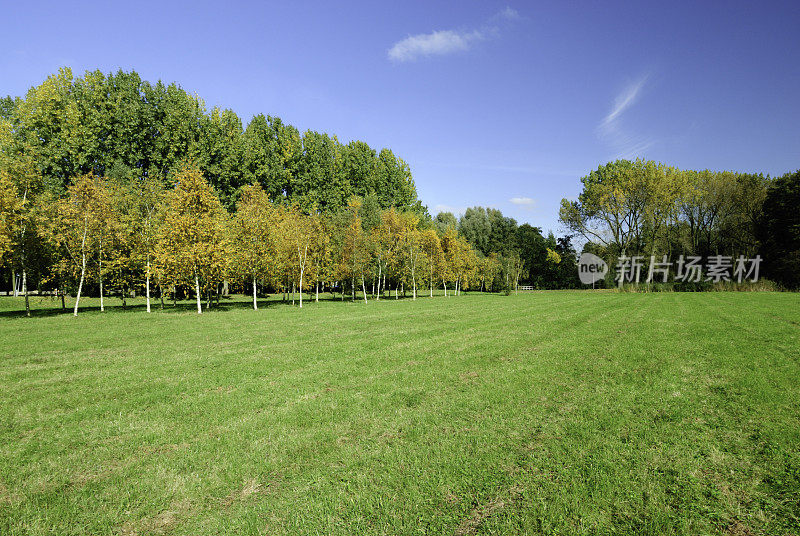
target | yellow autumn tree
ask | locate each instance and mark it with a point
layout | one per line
(410, 245)
(449, 259)
(76, 227)
(9, 209)
(193, 246)
(300, 234)
(432, 249)
(355, 256)
(252, 232)
(20, 185)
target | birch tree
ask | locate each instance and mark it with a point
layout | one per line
(300, 232)
(448, 266)
(137, 206)
(106, 229)
(389, 242)
(253, 238)
(192, 245)
(355, 258)
(76, 228)
(410, 241)
(432, 248)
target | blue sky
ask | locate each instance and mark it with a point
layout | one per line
(502, 104)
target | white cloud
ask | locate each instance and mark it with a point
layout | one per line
(611, 129)
(433, 44)
(525, 203)
(443, 42)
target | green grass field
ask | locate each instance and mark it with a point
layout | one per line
(542, 413)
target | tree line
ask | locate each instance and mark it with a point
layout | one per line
(647, 208)
(124, 234)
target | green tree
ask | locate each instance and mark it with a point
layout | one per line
(271, 153)
(444, 220)
(320, 183)
(475, 226)
(611, 208)
(221, 154)
(779, 230)
(502, 237)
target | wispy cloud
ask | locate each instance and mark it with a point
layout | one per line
(433, 44)
(443, 42)
(611, 129)
(524, 202)
(509, 13)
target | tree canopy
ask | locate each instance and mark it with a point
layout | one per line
(120, 125)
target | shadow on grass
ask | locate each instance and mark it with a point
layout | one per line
(227, 303)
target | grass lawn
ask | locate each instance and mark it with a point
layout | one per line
(542, 413)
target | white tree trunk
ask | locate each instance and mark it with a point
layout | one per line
(444, 284)
(25, 291)
(255, 299)
(302, 259)
(80, 284)
(83, 265)
(378, 295)
(197, 292)
(316, 296)
(147, 284)
(301, 289)
(100, 275)
(413, 277)
(364, 288)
